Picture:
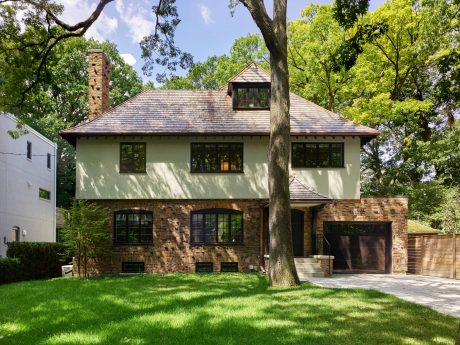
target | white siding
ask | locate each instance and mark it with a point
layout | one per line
(20, 180)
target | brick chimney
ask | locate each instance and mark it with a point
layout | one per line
(98, 83)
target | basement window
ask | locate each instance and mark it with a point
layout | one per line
(132, 267)
(44, 194)
(229, 266)
(204, 267)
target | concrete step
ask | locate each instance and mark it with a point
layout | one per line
(302, 265)
(309, 275)
(304, 260)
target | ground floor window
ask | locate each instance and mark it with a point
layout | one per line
(214, 226)
(133, 226)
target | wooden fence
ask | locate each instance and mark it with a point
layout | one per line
(434, 255)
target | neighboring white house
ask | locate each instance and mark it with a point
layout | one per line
(27, 185)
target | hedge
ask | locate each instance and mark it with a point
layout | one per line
(39, 260)
(10, 270)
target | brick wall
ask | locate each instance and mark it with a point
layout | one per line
(171, 250)
(377, 209)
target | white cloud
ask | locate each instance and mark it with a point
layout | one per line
(206, 14)
(78, 10)
(129, 58)
(137, 17)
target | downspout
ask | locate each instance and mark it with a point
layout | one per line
(55, 192)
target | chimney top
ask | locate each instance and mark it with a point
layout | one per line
(98, 83)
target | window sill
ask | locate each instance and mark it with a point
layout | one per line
(133, 172)
(196, 244)
(341, 167)
(133, 244)
(49, 200)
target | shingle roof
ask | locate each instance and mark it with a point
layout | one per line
(301, 192)
(199, 112)
(252, 73)
(188, 112)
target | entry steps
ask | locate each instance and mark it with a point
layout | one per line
(308, 267)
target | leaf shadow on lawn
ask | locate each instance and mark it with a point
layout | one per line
(210, 309)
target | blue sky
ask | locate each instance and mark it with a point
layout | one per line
(207, 28)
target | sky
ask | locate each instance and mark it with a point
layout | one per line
(207, 27)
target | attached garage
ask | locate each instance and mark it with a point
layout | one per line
(359, 247)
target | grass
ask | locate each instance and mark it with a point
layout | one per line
(209, 309)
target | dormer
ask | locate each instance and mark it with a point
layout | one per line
(250, 89)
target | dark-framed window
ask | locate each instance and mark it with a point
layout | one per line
(204, 267)
(217, 226)
(133, 226)
(29, 150)
(317, 155)
(229, 266)
(132, 267)
(216, 157)
(44, 194)
(251, 96)
(132, 157)
(48, 160)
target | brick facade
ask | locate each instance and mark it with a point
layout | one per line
(171, 250)
(372, 209)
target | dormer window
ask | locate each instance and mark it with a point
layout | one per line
(251, 96)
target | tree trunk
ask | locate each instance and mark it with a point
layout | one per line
(282, 269)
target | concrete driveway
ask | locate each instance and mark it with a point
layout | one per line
(440, 294)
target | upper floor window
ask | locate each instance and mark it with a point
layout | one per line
(317, 155)
(133, 226)
(48, 160)
(216, 157)
(29, 150)
(44, 194)
(213, 226)
(251, 97)
(132, 158)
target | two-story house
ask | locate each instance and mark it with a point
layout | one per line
(185, 174)
(27, 185)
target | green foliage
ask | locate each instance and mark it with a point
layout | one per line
(197, 309)
(215, 72)
(85, 234)
(39, 260)
(10, 270)
(450, 220)
(346, 12)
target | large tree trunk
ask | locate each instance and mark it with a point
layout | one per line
(282, 269)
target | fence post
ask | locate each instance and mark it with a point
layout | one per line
(454, 260)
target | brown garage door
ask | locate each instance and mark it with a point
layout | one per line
(359, 247)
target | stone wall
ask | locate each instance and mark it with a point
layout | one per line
(372, 209)
(98, 83)
(171, 250)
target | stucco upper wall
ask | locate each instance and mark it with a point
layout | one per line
(168, 171)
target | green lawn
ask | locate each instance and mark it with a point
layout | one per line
(209, 309)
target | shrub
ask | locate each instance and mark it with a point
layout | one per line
(39, 260)
(10, 270)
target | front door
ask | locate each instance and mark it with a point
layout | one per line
(297, 232)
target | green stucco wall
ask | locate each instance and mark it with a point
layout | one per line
(168, 171)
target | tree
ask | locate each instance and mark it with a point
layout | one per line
(85, 234)
(451, 212)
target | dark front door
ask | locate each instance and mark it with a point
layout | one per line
(359, 247)
(297, 232)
